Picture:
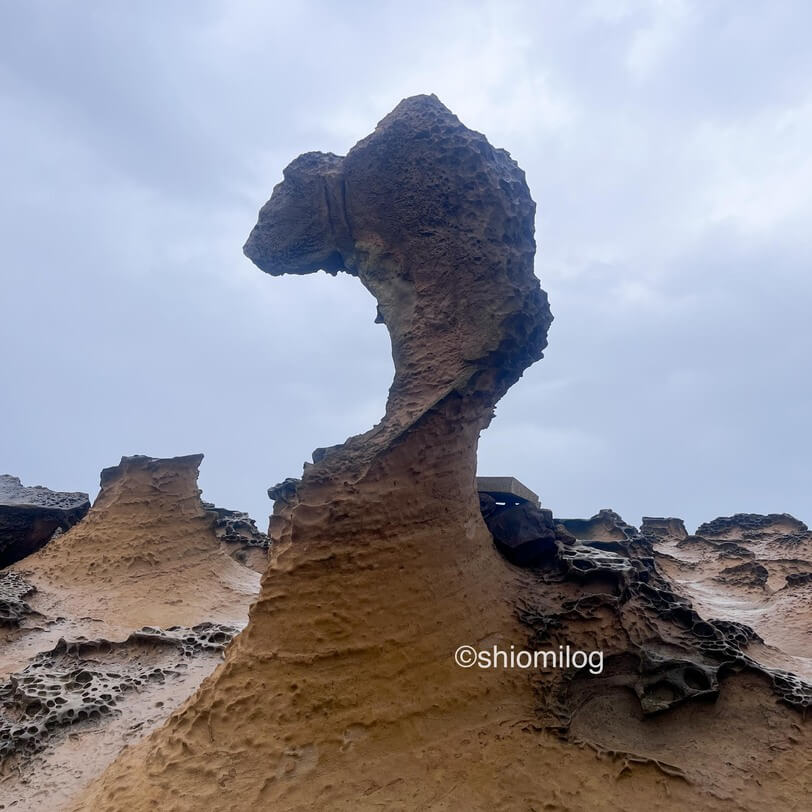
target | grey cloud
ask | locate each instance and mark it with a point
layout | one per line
(673, 213)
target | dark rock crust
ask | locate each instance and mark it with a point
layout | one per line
(29, 517)
(661, 648)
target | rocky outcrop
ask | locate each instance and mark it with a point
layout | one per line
(660, 647)
(14, 589)
(605, 525)
(751, 525)
(524, 533)
(146, 537)
(749, 568)
(661, 529)
(438, 226)
(29, 517)
(239, 532)
(749, 574)
(343, 692)
(798, 579)
(113, 624)
(85, 680)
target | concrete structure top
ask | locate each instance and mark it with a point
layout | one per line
(506, 489)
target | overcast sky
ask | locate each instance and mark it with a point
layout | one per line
(668, 146)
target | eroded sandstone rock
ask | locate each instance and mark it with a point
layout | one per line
(748, 574)
(85, 680)
(239, 532)
(739, 568)
(525, 534)
(342, 692)
(751, 525)
(111, 626)
(438, 225)
(147, 535)
(612, 571)
(605, 525)
(29, 517)
(14, 589)
(659, 529)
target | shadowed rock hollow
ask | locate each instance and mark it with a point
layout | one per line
(342, 692)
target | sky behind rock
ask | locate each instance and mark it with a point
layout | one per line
(667, 145)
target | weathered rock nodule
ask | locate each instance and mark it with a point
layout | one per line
(30, 516)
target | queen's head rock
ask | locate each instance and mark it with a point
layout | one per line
(343, 692)
(438, 225)
(381, 565)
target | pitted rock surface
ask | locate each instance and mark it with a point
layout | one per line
(29, 517)
(750, 525)
(605, 525)
(236, 527)
(666, 652)
(748, 574)
(343, 685)
(798, 578)
(13, 591)
(659, 645)
(241, 537)
(659, 529)
(82, 681)
(438, 225)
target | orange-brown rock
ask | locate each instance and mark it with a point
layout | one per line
(146, 537)
(111, 626)
(342, 693)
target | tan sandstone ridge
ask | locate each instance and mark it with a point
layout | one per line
(129, 562)
(342, 692)
(111, 626)
(756, 570)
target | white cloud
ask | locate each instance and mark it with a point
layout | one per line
(655, 42)
(759, 169)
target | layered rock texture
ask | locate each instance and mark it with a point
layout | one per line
(342, 692)
(242, 538)
(29, 517)
(111, 626)
(756, 570)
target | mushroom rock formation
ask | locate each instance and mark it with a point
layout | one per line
(29, 517)
(342, 691)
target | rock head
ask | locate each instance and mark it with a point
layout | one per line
(438, 225)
